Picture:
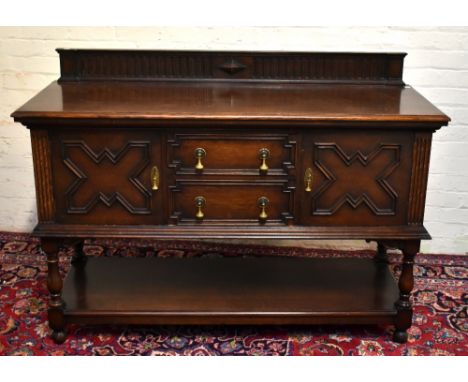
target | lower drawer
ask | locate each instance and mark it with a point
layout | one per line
(231, 203)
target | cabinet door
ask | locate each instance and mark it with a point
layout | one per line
(356, 177)
(107, 176)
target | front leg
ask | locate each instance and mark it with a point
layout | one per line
(404, 307)
(54, 284)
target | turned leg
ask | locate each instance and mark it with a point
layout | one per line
(404, 307)
(54, 284)
(381, 255)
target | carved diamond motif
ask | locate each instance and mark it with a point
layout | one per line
(232, 67)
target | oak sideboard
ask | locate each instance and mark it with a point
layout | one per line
(230, 145)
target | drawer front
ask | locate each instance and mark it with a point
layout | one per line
(356, 178)
(231, 153)
(239, 202)
(106, 177)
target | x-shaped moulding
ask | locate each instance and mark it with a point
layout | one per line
(118, 159)
(379, 177)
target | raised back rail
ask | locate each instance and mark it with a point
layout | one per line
(149, 65)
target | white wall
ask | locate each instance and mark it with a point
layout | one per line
(437, 65)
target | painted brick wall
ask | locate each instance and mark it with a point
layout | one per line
(437, 65)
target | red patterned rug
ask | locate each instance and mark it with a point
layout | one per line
(440, 323)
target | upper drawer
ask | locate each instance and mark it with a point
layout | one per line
(231, 153)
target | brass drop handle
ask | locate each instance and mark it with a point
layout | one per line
(308, 179)
(155, 178)
(200, 202)
(199, 155)
(263, 203)
(264, 155)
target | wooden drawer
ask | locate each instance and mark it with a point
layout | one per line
(228, 153)
(231, 203)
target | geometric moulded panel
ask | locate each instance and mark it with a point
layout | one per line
(355, 179)
(107, 177)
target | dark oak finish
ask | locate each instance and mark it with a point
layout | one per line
(54, 284)
(255, 289)
(405, 284)
(228, 154)
(235, 203)
(159, 104)
(203, 231)
(165, 144)
(103, 178)
(92, 65)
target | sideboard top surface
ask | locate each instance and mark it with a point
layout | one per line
(230, 101)
(231, 86)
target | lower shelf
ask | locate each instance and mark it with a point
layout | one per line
(223, 290)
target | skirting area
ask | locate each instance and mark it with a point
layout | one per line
(440, 324)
